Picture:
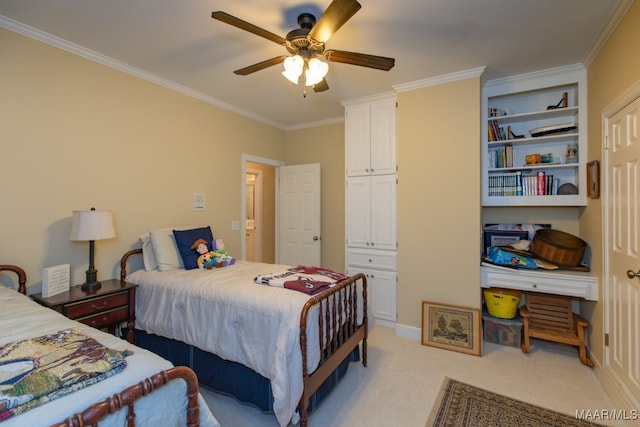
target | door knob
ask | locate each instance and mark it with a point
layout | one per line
(631, 274)
(316, 238)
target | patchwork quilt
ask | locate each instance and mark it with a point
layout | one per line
(37, 370)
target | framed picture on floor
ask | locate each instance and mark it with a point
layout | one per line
(451, 327)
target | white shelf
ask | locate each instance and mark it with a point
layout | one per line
(523, 104)
(534, 140)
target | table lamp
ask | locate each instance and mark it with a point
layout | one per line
(91, 225)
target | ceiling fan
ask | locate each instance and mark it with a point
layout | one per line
(307, 43)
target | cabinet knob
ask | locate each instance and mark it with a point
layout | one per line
(372, 171)
(366, 170)
(535, 285)
(370, 260)
(372, 244)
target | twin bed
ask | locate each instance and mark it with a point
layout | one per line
(142, 380)
(276, 348)
(279, 349)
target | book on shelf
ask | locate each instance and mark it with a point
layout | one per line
(540, 183)
(495, 132)
(505, 184)
(508, 154)
(517, 183)
(501, 157)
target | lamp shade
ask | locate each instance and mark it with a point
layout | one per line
(91, 225)
(316, 70)
(293, 68)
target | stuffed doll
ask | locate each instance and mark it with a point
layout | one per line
(222, 257)
(206, 259)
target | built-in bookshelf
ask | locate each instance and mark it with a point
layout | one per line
(534, 139)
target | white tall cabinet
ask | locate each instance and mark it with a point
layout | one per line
(371, 202)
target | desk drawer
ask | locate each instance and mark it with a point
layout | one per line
(533, 281)
(106, 318)
(96, 305)
(383, 260)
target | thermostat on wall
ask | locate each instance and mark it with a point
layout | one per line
(197, 202)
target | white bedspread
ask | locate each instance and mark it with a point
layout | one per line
(22, 318)
(224, 312)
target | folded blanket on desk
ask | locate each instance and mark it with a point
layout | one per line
(309, 280)
(37, 370)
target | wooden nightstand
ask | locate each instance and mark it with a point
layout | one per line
(112, 304)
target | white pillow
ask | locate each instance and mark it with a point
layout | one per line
(164, 247)
(148, 257)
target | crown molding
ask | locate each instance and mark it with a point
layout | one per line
(607, 30)
(438, 80)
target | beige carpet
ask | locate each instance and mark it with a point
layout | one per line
(462, 405)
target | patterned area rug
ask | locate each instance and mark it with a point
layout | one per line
(462, 405)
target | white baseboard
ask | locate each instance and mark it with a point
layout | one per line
(409, 332)
(620, 397)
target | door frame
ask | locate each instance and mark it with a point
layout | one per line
(620, 102)
(257, 210)
(249, 158)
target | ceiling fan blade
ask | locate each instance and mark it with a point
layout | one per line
(338, 12)
(244, 25)
(260, 65)
(361, 59)
(321, 86)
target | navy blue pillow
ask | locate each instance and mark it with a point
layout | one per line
(186, 238)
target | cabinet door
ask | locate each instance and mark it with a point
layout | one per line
(381, 292)
(383, 212)
(358, 137)
(383, 137)
(358, 204)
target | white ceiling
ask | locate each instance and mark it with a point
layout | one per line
(178, 44)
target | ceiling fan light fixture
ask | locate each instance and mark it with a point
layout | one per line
(293, 66)
(315, 72)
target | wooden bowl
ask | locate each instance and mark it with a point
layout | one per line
(557, 247)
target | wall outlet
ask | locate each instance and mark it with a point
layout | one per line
(235, 225)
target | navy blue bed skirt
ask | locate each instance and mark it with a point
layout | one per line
(233, 378)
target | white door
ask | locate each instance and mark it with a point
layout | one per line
(299, 215)
(622, 250)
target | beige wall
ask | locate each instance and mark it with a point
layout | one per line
(325, 145)
(614, 70)
(438, 197)
(75, 134)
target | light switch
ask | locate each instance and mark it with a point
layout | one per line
(235, 225)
